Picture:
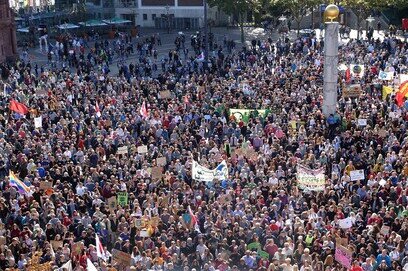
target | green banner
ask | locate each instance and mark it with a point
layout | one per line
(123, 198)
(246, 114)
(263, 254)
(254, 246)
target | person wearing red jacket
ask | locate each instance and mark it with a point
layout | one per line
(356, 267)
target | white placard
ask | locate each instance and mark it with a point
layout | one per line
(122, 150)
(38, 122)
(356, 175)
(362, 122)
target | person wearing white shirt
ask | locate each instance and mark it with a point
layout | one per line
(80, 189)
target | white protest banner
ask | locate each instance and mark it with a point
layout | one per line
(346, 223)
(204, 174)
(201, 173)
(310, 179)
(38, 122)
(362, 122)
(356, 175)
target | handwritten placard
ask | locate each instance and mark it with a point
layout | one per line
(56, 244)
(161, 161)
(121, 257)
(356, 175)
(112, 203)
(44, 185)
(362, 122)
(157, 173)
(343, 256)
(122, 150)
(123, 198)
(166, 94)
(142, 149)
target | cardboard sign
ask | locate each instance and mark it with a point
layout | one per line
(2, 240)
(382, 133)
(45, 185)
(161, 161)
(56, 244)
(166, 94)
(142, 149)
(121, 257)
(157, 173)
(343, 256)
(122, 150)
(356, 175)
(352, 91)
(123, 198)
(112, 203)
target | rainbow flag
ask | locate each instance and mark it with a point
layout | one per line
(21, 187)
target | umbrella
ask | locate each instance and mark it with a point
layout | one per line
(67, 26)
(117, 20)
(92, 23)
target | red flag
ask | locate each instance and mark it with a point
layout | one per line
(348, 76)
(143, 110)
(18, 107)
(193, 216)
(402, 93)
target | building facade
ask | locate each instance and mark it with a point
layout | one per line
(172, 14)
(161, 14)
(8, 41)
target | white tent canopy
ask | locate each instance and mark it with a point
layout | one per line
(67, 26)
(117, 20)
(93, 23)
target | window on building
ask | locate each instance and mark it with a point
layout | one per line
(153, 17)
(144, 17)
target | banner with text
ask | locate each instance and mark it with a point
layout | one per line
(204, 174)
(310, 179)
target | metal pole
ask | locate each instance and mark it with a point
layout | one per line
(205, 33)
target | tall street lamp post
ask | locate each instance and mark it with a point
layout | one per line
(205, 32)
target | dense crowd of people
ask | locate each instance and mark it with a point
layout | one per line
(110, 161)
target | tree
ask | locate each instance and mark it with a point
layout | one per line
(236, 8)
(298, 9)
(363, 8)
